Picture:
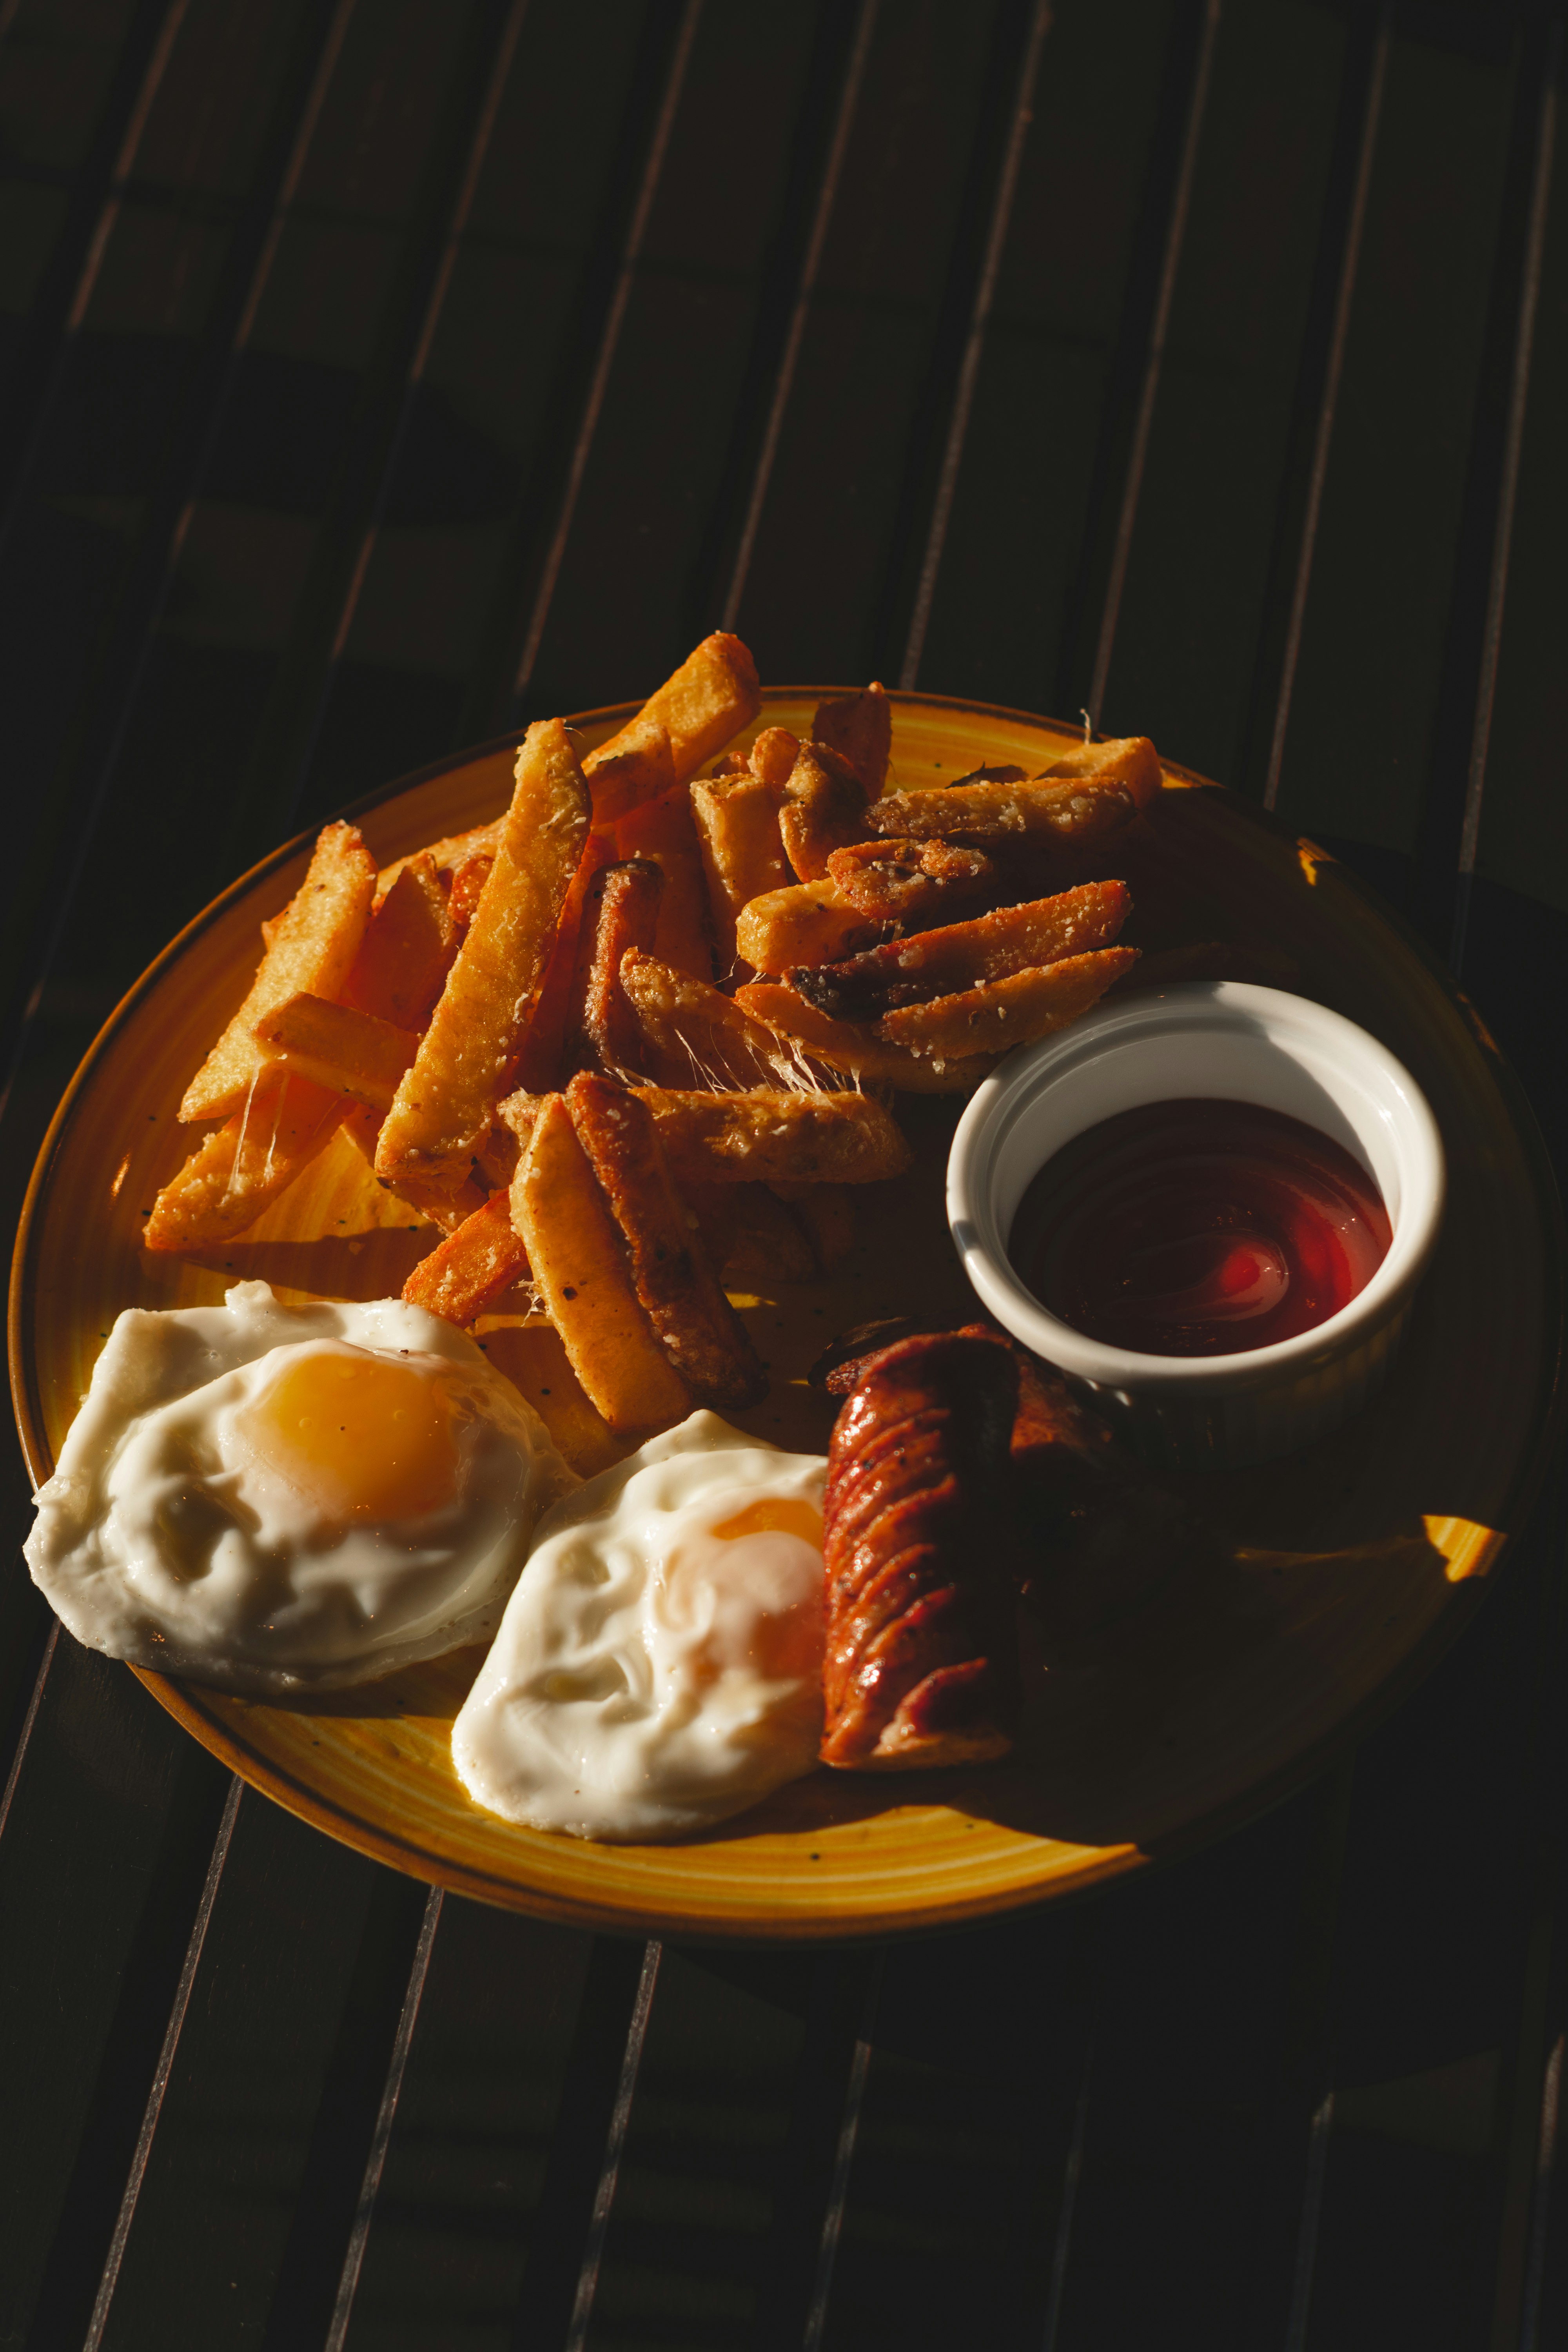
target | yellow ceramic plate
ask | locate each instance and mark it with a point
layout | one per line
(1354, 1563)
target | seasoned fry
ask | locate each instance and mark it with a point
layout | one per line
(693, 1031)
(469, 882)
(242, 1168)
(909, 881)
(773, 755)
(826, 1216)
(665, 831)
(312, 950)
(579, 1264)
(1006, 1012)
(621, 912)
(767, 1135)
(445, 1104)
(859, 727)
(447, 855)
(809, 922)
(444, 1207)
(823, 810)
(767, 1242)
(539, 1064)
(742, 850)
(711, 697)
(468, 1271)
(859, 1053)
(962, 955)
(676, 1287)
(407, 951)
(346, 1052)
(1080, 798)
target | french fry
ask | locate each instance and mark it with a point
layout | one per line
(773, 756)
(620, 913)
(808, 922)
(1080, 798)
(823, 810)
(767, 1135)
(860, 728)
(444, 1103)
(468, 1272)
(826, 1216)
(908, 881)
(579, 1266)
(408, 949)
(859, 1053)
(665, 831)
(963, 955)
(676, 1287)
(1008, 1012)
(312, 950)
(742, 850)
(468, 881)
(767, 1242)
(442, 1208)
(693, 1031)
(240, 1171)
(447, 855)
(538, 1065)
(347, 1053)
(710, 697)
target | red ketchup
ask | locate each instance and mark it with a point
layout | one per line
(1199, 1229)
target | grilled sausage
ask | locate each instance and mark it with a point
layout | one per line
(921, 1658)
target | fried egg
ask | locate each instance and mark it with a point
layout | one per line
(659, 1665)
(277, 1498)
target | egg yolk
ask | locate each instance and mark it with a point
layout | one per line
(774, 1515)
(364, 1438)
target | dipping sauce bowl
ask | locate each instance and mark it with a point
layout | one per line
(1206, 1041)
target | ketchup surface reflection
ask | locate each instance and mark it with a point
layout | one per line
(1199, 1228)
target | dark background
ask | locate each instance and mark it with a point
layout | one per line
(376, 375)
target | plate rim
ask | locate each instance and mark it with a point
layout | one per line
(951, 1913)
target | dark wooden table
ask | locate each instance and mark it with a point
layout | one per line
(380, 372)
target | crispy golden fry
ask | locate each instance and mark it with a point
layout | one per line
(767, 1135)
(711, 697)
(468, 1271)
(468, 881)
(809, 922)
(963, 955)
(445, 1209)
(859, 1053)
(313, 950)
(242, 1169)
(694, 1033)
(1080, 798)
(742, 850)
(773, 755)
(909, 881)
(827, 1215)
(538, 1065)
(860, 728)
(823, 810)
(579, 1264)
(676, 1287)
(767, 1242)
(630, 769)
(732, 764)
(1006, 1012)
(1130, 762)
(444, 1107)
(407, 951)
(447, 855)
(665, 831)
(620, 913)
(347, 1053)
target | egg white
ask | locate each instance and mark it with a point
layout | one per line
(650, 1678)
(164, 1539)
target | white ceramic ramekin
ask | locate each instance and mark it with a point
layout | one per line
(1214, 1039)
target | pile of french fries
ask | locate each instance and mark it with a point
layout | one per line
(617, 1043)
